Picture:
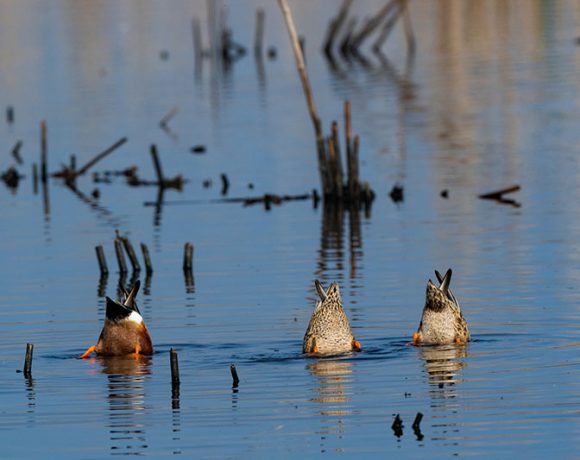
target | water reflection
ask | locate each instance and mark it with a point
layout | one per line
(332, 395)
(444, 365)
(332, 252)
(127, 409)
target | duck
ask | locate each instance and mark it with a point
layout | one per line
(124, 331)
(328, 331)
(442, 321)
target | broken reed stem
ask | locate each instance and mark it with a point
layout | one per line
(332, 172)
(335, 26)
(349, 148)
(157, 164)
(498, 194)
(43, 152)
(345, 43)
(146, 259)
(35, 178)
(355, 175)
(174, 367)
(131, 253)
(188, 257)
(372, 24)
(27, 370)
(168, 116)
(301, 67)
(102, 261)
(409, 34)
(196, 34)
(336, 144)
(259, 36)
(120, 256)
(386, 30)
(100, 156)
(16, 152)
(417, 421)
(10, 114)
(225, 184)
(235, 378)
(320, 142)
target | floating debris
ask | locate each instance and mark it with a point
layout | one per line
(11, 178)
(16, 152)
(498, 196)
(397, 193)
(397, 426)
(198, 149)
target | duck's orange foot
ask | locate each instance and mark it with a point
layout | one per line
(458, 341)
(314, 349)
(137, 350)
(88, 352)
(356, 346)
(416, 338)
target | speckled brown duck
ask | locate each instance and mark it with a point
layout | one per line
(124, 331)
(329, 330)
(442, 321)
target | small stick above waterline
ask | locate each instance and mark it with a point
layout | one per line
(43, 152)
(102, 261)
(100, 156)
(147, 259)
(131, 253)
(167, 118)
(174, 367)
(498, 194)
(259, 35)
(235, 378)
(16, 152)
(28, 360)
(188, 257)
(397, 426)
(120, 256)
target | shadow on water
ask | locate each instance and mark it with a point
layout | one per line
(127, 403)
(331, 396)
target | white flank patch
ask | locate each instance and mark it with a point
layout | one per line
(135, 317)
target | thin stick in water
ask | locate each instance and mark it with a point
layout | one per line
(28, 360)
(43, 152)
(100, 156)
(235, 378)
(188, 257)
(174, 367)
(120, 256)
(157, 164)
(147, 259)
(259, 36)
(131, 253)
(102, 261)
(16, 152)
(35, 178)
(225, 184)
(409, 34)
(335, 26)
(167, 118)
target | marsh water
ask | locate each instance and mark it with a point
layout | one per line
(489, 99)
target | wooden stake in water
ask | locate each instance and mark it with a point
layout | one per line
(188, 257)
(102, 261)
(259, 36)
(147, 259)
(43, 152)
(131, 253)
(174, 367)
(157, 165)
(235, 377)
(28, 360)
(120, 256)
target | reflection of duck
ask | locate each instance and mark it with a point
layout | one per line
(127, 402)
(329, 331)
(443, 363)
(333, 386)
(442, 321)
(124, 331)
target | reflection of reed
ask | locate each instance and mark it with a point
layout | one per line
(333, 390)
(332, 244)
(126, 377)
